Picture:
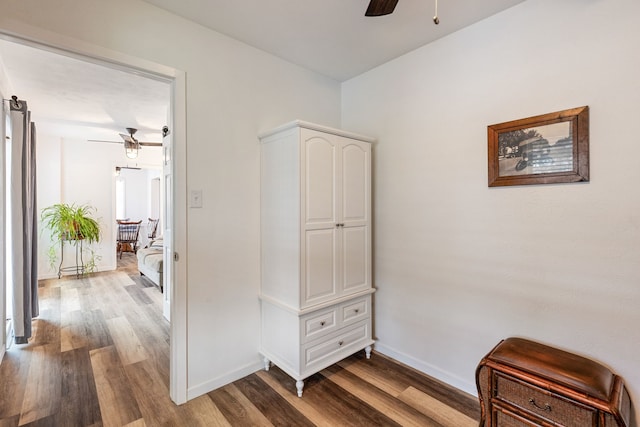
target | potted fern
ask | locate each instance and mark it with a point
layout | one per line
(71, 222)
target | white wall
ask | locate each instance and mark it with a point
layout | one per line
(233, 92)
(138, 186)
(458, 265)
(5, 85)
(48, 176)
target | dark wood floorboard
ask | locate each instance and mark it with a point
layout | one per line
(79, 405)
(342, 406)
(10, 421)
(274, 407)
(237, 408)
(399, 411)
(388, 369)
(99, 357)
(14, 369)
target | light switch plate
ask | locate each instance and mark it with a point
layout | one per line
(196, 199)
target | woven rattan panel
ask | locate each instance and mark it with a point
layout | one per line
(541, 403)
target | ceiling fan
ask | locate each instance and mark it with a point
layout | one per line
(381, 7)
(131, 144)
(386, 7)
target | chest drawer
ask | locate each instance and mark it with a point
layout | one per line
(335, 345)
(544, 404)
(504, 418)
(329, 320)
(318, 324)
(355, 311)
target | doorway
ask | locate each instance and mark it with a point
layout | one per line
(173, 155)
(138, 197)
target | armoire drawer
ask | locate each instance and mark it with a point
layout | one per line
(318, 352)
(318, 324)
(543, 404)
(355, 311)
(330, 319)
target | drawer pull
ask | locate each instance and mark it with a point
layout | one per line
(322, 323)
(546, 407)
(340, 343)
(356, 310)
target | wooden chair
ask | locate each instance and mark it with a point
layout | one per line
(127, 240)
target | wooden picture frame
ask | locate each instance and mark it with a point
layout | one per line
(546, 149)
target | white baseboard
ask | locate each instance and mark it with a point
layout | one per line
(427, 368)
(207, 386)
(54, 275)
(9, 334)
(47, 276)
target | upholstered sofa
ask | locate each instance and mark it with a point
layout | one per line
(150, 262)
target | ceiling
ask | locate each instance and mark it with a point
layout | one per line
(77, 99)
(83, 100)
(333, 37)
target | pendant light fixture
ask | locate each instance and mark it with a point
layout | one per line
(131, 149)
(131, 145)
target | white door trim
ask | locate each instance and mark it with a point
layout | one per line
(178, 385)
(3, 219)
(45, 40)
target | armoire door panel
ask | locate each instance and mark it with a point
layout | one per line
(355, 255)
(320, 186)
(320, 265)
(355, 172)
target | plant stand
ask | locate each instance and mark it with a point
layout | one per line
(79, 267)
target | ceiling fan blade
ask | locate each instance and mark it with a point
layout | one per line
(129, 140)
(126, 138)
(381, 7)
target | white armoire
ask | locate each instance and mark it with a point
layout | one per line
(316, 247)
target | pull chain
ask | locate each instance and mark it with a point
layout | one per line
(436, 20)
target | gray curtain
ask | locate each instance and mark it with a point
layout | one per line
(24, 251)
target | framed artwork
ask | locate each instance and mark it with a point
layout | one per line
(546, 149)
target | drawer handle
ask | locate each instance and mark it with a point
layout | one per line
(340, 343)
(322, 323)
(357, 310)
(546, 407)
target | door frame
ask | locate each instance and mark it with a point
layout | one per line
(87, 52)
(3, 220)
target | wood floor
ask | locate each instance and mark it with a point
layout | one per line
(100, 357)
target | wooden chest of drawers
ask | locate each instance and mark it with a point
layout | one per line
(522, 383)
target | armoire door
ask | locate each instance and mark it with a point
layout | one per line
(354, 216)
(319, 261)
(336, 210)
